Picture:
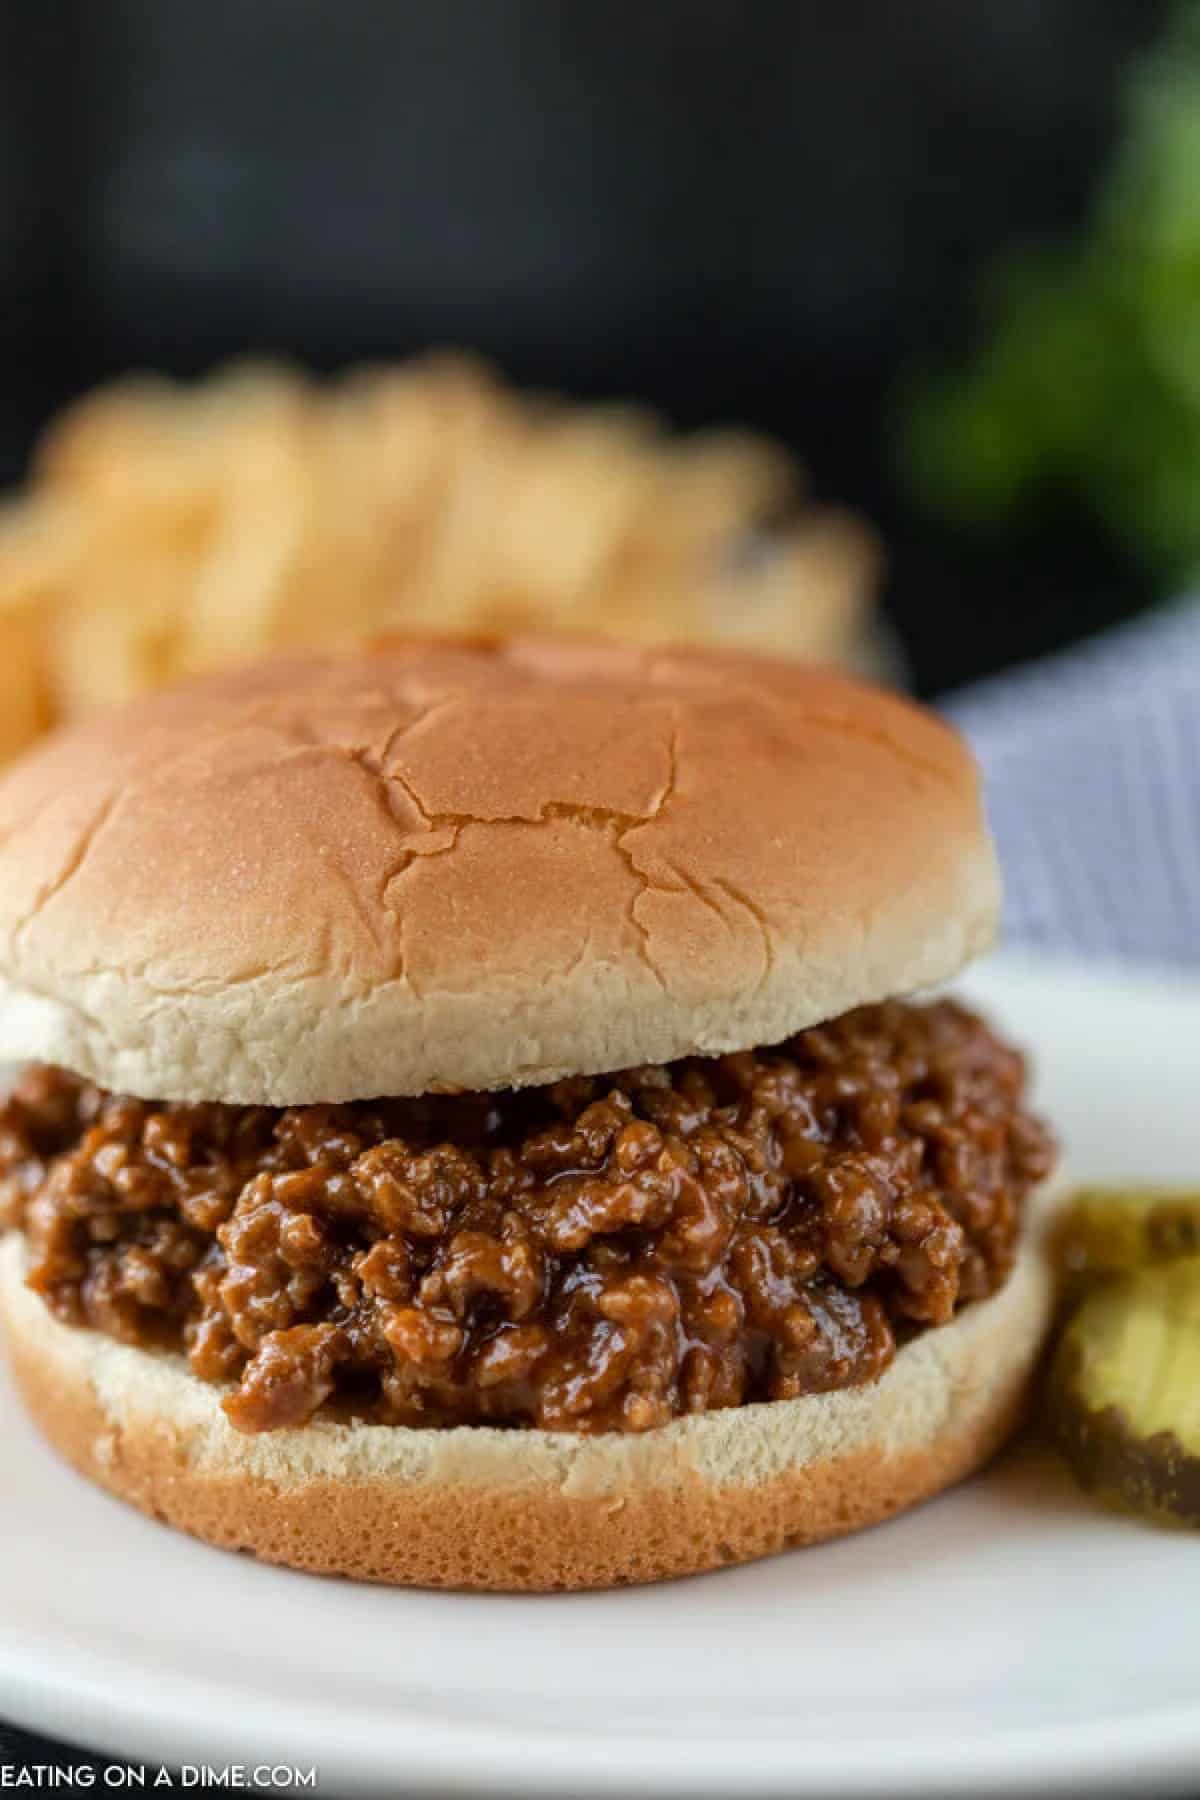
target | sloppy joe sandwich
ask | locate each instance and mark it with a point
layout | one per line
(473, 1131)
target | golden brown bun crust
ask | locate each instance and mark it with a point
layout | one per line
(330, 878)
(531, 1510)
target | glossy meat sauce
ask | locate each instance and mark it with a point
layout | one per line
(604, 1254)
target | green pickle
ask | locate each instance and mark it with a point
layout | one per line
(1107, 1230)
(1124, 1391)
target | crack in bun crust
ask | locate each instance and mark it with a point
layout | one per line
(470, 866)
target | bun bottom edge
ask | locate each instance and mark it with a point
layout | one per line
(540, 1536)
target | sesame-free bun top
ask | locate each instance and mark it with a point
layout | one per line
(476, 866)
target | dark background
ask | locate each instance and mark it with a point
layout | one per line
(747, 210)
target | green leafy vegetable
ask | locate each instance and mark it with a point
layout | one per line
(1087, 383)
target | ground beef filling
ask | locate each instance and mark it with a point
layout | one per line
(602, 1254)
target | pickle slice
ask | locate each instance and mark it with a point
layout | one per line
(1108, 1229)
(1124, 1392)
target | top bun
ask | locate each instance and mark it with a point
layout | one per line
(441, 866)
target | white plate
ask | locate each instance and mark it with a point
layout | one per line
(1007, 1638)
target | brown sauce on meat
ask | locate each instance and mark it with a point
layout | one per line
(603, 1254)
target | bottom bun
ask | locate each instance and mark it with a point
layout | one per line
(473, 1507)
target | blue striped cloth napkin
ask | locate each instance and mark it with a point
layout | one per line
(1092, 765)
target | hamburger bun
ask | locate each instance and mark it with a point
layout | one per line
(533, 1510)
(435, 868)
(467, 867)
